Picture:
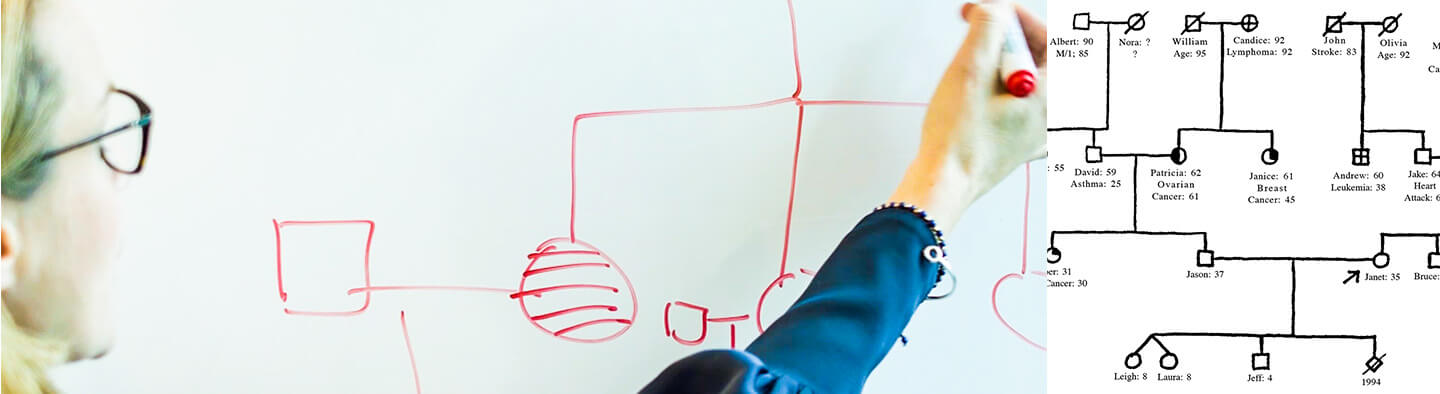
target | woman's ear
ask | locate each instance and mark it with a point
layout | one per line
(9, 249)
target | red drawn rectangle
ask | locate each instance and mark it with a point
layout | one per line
(336, 300)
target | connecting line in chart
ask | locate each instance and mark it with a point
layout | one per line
(1361, 156)
(1195, 24)
(1260, 361)
(1205, 257)
(1094, 153)
(1134, 23)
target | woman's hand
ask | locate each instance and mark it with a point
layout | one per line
(975, 133)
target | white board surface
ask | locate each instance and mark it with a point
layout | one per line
(445, 132)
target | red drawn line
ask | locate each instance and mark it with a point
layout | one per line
(323, 222)
(795, 165)
(794, 46)
(995, 307)
(414, 371)
(279, 275)
(289, 311)
(1025, 228)
(1038, 272)
(794, 97)
(537, 292)
(794, 171)
(590, 323)
(564, 266)
(863, 102)
(1024, 241)
(779, 281)
(727, 319)
(451, 288)
(807, 272)
(567, 311)
(575, 132)
(537, 253)
(689, 342)
(549, 252)
(732, 336)
(717, 108)
(689, 305)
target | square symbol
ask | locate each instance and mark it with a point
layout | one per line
(1360, 156)
(1092, 154)
(323, 266)
(1434, 263)
(1205, 258)
(1260, 361)
(1332, 24)
(1192, 24)
(1422, 156)
(1374, 363)
(1081, 21)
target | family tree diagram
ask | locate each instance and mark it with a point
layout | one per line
(567, 288)
(1216, 261)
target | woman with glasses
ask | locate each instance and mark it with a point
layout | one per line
(70, 136)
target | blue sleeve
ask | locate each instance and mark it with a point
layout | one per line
(839, 329)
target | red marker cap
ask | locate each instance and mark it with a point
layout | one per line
(1020, 83)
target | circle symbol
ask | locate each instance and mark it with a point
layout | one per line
(1169, 361)
(778, 306)
(1178, 155)
(1135, 23)
(1132, 360)
(1249, 22)
(1390, 24)
(1269, 156)
(1381, 260)
(573, 291)
(1052, 255)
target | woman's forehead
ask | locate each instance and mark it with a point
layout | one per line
(64, 40)
(65, 44)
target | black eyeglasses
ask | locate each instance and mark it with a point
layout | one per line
(122, 148)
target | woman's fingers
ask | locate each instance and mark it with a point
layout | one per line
(1035, 35)
(978, 61)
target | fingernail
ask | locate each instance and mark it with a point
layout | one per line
(965, 10)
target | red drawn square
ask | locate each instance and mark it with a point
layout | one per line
(326, 288)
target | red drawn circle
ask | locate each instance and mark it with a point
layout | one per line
(611, 316)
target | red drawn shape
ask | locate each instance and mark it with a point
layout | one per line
(1024, 268)
(704, 328)
(280, 272)
(704, 320)
(608, 308)
(779, 282)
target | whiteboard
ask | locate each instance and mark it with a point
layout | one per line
(373, 159)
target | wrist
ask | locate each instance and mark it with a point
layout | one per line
(937, 184)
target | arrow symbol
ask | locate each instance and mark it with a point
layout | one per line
(1354, 274)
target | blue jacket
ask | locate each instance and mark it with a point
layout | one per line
(839, 329)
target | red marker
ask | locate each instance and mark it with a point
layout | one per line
(1017, 66)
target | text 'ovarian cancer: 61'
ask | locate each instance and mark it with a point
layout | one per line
(573, 291)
